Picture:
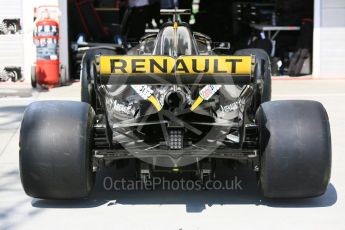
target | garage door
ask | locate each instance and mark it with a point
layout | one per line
(332, 38)
(11, 38)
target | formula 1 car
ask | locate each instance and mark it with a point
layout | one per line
(175, 104)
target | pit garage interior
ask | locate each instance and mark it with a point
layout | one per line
(84, 23)
(284, 29)
(298, 35)
(308, 33)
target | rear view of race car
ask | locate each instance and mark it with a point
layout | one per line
(174, 103)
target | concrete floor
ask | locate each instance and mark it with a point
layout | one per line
(172, 209)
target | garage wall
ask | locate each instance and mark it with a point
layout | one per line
(11, 51)
(329, 49)
(11, 45)
(10, 9)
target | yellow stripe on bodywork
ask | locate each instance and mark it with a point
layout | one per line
(197, 102)
(155, 103)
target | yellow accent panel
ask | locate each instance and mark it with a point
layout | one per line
(155, 103)
(234, 65)
(135, 64)
(184, 65)
(196, 103)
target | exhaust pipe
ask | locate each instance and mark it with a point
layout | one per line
(175, 99)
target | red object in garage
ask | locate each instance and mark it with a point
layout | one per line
(46, 38)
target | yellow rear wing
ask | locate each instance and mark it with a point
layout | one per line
(181, 70)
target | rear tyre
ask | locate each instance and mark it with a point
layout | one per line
(86, 75)
(295, 149)
(55, 150)
(87, 91)
(263, 70)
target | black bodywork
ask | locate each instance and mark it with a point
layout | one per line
(127, 126)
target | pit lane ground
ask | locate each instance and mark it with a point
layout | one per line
(162, 209)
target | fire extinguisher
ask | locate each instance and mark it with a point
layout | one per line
(46, 39)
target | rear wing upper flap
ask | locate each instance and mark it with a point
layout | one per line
(182, 70)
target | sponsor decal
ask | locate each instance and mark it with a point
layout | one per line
(184, 65)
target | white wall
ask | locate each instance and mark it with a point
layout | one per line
(29, 48)
(11, 45)
(64, 57)
(329, 38)
(10, 9)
